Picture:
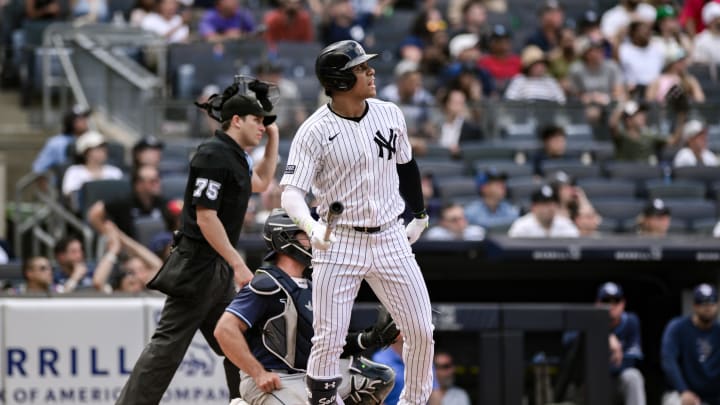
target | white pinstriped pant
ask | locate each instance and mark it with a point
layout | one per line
(385, 260)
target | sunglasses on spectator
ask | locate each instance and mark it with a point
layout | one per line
(610, 300)
(444, 366)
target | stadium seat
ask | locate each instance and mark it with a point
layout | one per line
(441, 168)
(606, 188)
(573, 168)
(436, 151)
(452, 188)
(637, 172)
(116, 154)
(104, 190)
(705, 174)
(479, 151)
(622, 210)
(678, 189)
(11, 272)
(510, 168)
(146, 228)
(173, 186)
(520, 188)
(691, 210)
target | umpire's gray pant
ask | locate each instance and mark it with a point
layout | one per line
(179, 321)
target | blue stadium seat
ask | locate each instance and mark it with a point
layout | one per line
(573, 168)
(441, 167)
(678, 189)
(623, 211)
(509, 167)
(452, 188)
(605, 188)
(173, 186)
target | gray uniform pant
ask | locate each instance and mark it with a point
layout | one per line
(180, 319)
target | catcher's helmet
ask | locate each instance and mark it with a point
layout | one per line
(280, 237)
(333, 65)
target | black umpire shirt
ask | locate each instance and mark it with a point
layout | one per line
(219, 179)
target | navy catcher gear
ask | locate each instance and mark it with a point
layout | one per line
(280, 237)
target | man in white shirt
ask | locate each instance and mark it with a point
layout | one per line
(454, 226)
(641, 60)
(695, 152)
(542, 221)
(707, 43)
(616, 20)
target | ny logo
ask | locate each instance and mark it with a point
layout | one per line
(383, 143)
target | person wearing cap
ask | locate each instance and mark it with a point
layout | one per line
(615, 21)
(595, 79)
(492, 209)
(289, 21)
(453, 225)
(409, 94)
(147, 151)
(641, 60)
(654, 221)
(500, 60)
(204, 269)
(669, 34)
(675, 78)
(689, 352)
(554, 147)
(707, 43)
(91, 148)
(633, 139)
(625, 344)
(585, 218)
(551, 19)
(691, 16)
(463, 71)
(534, 83)
(55, 151)
(568, 193)
(695, 152)
(542, 221)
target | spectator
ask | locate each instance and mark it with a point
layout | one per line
(455, 126)
(654, 221)
(423, 36)
(675, 74)
(534, 83)
(166, 22)
(589, 27)
(454, 226)
(492, 209)
(641, 60)
(542, 221)
(594, 79)
(615, 21)
(147, 152)
(633, 139)
(408, 93)
(500, 61)
(585, 218)
(707, 42)
(695, 152)
(290, 21)
(140, 264)
(568, 193)
(669, 35)
(625, 345)
(392, 356)
(72, 271)
(447, 393)
(55, 150)
(547, 36)
(554, 147)
(562, 57)
(90, 11)
(145, 201)
(140, 10)
(689, 352)
(38, 276)
(341, 22)
(468, 17)
(226, 21)
(42, 9)
(92, 149)
(464, 73)
(691, 16)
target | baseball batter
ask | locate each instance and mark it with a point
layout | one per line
(355, 150)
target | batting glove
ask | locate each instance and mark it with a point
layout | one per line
(415, 228)
(317, 237)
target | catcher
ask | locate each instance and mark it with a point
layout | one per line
(267, 329)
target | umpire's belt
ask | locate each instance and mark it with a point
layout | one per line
(372, 229)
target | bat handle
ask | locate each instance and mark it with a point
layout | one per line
(328, 231)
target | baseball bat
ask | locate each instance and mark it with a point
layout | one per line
(334, 210)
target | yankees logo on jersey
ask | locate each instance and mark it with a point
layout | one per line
(362, 152)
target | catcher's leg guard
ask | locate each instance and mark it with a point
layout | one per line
(322, 392)
(370, 382)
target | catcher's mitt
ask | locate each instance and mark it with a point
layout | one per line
(383, 333)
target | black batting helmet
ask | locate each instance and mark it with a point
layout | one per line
(333, 65)
(280, 234)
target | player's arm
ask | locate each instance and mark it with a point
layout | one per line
(670, 354)
(230, 334)
(214, 232)
(264, 171)
(293, 202)
(411, 191)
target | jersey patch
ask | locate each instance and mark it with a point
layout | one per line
(289, 169)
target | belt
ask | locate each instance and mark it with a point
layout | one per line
(367, 229)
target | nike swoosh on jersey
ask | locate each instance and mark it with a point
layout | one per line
(333, 137)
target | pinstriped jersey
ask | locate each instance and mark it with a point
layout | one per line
(352, 161)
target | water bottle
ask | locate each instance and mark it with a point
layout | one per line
(185, 81)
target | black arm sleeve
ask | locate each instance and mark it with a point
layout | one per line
(410, 188)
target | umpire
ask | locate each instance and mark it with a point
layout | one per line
(198, 275)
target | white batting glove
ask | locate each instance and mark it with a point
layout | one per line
(415, 228)
(317, 237)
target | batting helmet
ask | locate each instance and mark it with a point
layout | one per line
(280, 234)
(333, 65)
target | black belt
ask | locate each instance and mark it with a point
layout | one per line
(368, 229)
